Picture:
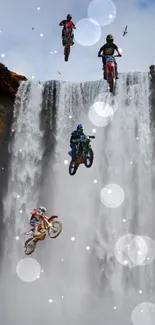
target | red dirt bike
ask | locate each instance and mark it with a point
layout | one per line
(67, 40)
(110, 70)
(53, 232)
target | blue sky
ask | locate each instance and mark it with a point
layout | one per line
(28, 53)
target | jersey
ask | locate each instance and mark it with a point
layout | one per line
(34, 215)
(108, 49)
(66, 23)
(75, 137)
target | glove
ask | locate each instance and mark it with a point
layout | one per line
(83, 138)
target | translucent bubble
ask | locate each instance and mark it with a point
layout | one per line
(144, 314)
(112, 196)
(137, 250)
(101, 113)
(150, 250)
(121, 250)
(87, 32)
(102, 11)
(28, 269)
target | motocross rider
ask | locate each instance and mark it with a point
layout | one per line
(67, 24)
(77, 137)
(37, 218)
(108, 49)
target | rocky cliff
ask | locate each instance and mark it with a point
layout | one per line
(9, 83)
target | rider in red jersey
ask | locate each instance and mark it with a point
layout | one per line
(67, 24)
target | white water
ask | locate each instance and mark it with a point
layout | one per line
(91, 281)
(26, 158)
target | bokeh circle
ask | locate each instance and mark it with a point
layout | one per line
(28, 269)
(101, 113)
(144, 314)
(112, 196)
(102, 11)
(87, 32)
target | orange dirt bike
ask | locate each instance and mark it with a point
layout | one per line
(84, 155)
(110, 70)
(53, 232)
(68, 42)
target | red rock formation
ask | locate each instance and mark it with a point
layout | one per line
(9, 83)
(152, 70)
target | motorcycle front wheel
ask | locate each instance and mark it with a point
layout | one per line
(58, 229)
(111, 83)
(89, 158)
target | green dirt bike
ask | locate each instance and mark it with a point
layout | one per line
(84, 155)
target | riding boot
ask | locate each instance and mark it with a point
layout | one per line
(104, 72)
(63, 41)
(116, 71)
(72, 40)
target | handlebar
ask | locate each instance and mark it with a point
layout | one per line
(114, 56)
(91, 136)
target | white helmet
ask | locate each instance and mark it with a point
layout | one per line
(42, 210)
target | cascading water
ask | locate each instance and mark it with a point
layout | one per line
(82, 277)
(26, 150)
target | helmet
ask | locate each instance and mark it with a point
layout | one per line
(69, 17)
(80, 128)
(109, 38)
(42, 210)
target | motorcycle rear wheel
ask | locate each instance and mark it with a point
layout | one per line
(66, 52)
(72, 168)
(30, 246)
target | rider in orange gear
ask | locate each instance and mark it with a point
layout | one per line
(37, 221)
(67, 24)
(108, 49)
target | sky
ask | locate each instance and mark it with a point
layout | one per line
(28, 53)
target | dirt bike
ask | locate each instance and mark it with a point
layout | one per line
(53, 232)
(67, 39)
(110, 70)
(84, 155)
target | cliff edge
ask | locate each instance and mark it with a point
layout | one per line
(9, 81)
